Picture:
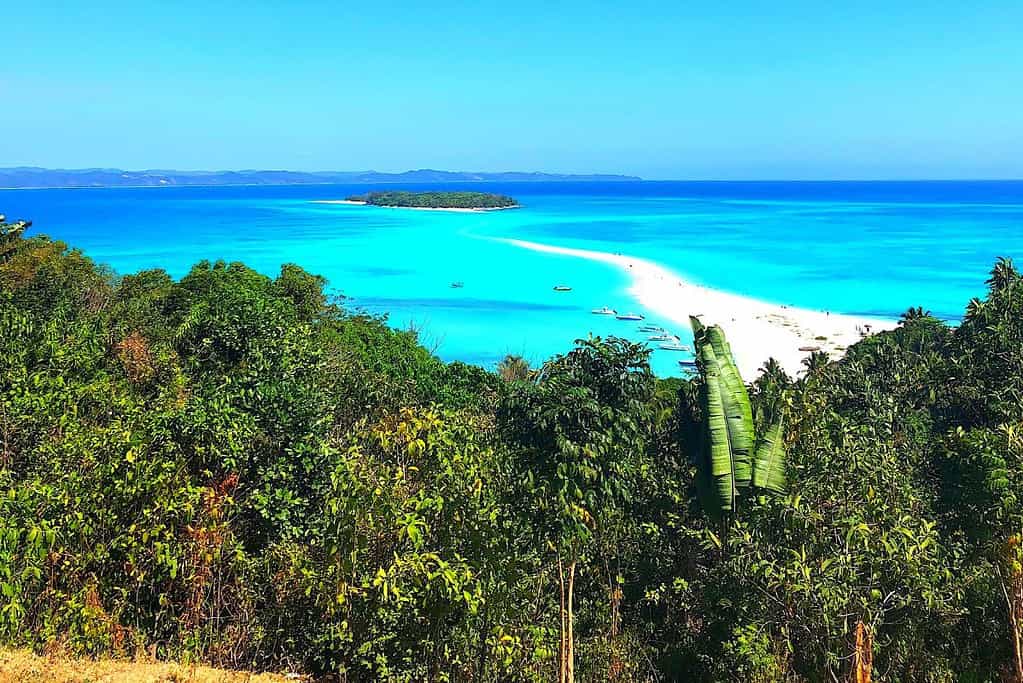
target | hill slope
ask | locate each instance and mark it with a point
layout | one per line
(32, 177)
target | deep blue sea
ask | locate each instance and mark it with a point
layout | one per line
(871, 248)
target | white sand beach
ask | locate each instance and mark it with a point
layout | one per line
(453, 209)
(756, 330)
(338, 201)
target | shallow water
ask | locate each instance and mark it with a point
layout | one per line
(861, 248)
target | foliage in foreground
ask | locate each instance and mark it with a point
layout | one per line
(232, 469)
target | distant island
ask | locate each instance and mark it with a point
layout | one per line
(32, 177)
(452, 201)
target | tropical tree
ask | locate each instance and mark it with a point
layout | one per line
(10, 236)
(514, 368)
(912, 314)
(581, 431)
(406, 554)
(983, 491)
(1003, 275)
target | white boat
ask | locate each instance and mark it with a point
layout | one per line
(652, 328)
(674, 347)
(562, 288)
(629, 316)
(663, 338)
(604, 311)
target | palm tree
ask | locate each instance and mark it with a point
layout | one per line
(815, 362)
(768, 390)
(913, 314)
(974, 308)
(773, 373)
(514, 369)
(1003, 275)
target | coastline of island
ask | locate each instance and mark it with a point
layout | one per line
(431, 200)
(453, 209)
(757, 330)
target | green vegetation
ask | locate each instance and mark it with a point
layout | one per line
(437, 200)
(729, 458)
(231, 468)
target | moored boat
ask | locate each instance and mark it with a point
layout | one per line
(674, 347)
(604, 311)
(629, 316)
(562, 288)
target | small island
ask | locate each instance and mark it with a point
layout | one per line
(438, 201)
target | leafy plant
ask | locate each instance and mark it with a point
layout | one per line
(732, 459)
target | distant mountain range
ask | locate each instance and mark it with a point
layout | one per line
(27, 176)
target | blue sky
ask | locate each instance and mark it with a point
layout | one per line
(739, 89)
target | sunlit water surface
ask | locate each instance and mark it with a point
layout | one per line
(867, 248)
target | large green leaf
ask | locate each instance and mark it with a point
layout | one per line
(698, 329)
(719, 456)
(738, 411)
(728, 415)
(769, 460)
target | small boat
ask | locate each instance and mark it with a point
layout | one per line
(457, 285)
(562, 288)
(674, 347)
(629, 316)
(687, 363)
(807, 349)
(652, 328)
(663, 338)
(604, 311)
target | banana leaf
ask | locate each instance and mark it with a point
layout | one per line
(719, 455)
(769, 460)
(738, 411)
(698, 329)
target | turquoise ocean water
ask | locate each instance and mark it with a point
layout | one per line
(872, 248)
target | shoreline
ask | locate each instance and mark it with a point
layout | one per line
(756, 330)
(454, 209)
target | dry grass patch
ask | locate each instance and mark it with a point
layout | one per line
(21, 665)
